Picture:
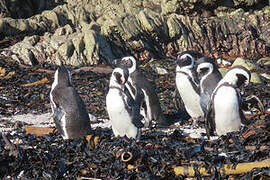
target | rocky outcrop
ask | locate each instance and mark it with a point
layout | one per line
(91, 32)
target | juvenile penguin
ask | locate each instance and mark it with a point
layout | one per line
(187, 84)
(142, 91)
(209, 77)
(123, 112)
(69, 112)
(225, 113)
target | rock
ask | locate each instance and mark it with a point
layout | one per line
(243, 62)
(97, 48)
(66, 49)
(224, 62)
(264, 61)
(255, 78)
(66, 30)
(223, 71)
(145, 29)
(161, 71)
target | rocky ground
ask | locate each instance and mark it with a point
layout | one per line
(86, 35)
(25, 102)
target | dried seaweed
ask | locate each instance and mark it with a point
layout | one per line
(154, 157)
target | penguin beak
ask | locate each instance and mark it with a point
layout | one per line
(246, 83)
(123, 80)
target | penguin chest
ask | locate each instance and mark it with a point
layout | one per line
(226, 108)
(119, 115)
(189, 96)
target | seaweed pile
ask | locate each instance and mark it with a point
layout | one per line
(154, 157)
(103, 156)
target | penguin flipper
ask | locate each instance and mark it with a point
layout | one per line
(243, 105)
(178, 102)
(209, 121)
(58, 114)
(139, 96)
(135, 108)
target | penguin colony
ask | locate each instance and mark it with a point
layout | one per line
(132, 102)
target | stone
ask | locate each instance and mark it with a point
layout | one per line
(223, 71)
(243, 62)
(255, 78)
(264, 61)
(66, 49)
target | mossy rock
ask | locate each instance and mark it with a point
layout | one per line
(223, 71)
(255, 78)
(243, 62)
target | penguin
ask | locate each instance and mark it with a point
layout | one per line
(69, 112)
(209, 76)
(178, 102)
(187, 84)
(225, 113)
(142, 91)
(123, 112)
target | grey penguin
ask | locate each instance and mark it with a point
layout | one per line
(69, 111)
(225, 113)
(142, 91)
(209, 77)
(123, 112)
(187, 84)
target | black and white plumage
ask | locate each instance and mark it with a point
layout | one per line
(142, 91)
(225, 113)
(209, 77)
(69, 112)
(123, 112)
(187, 84)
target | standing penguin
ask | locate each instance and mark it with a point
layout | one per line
(209, 76)
(69, 112)
(225, 113)
(122, 109)
(178, 102)
(187, 84)
(142, 91)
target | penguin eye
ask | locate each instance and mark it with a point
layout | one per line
(203, 70)
(127, 63)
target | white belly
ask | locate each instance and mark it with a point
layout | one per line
(226, 106)
(63, 125)
(189, 96)
(121, 120)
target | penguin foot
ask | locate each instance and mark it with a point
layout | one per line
(195, 123)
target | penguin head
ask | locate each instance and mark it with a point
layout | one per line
(128, 62)
(238, 76)
(205, 66)
(120, 75)
(204, 69)
(62, 76)
(185, 60)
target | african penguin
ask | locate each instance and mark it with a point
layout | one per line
(209, 77)
(225, 113)
(178, 102)
(142, 91)
(187, 86)
(123, 112)
(69, 112)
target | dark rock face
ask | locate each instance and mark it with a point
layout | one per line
(25, 8)
(100, 31)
